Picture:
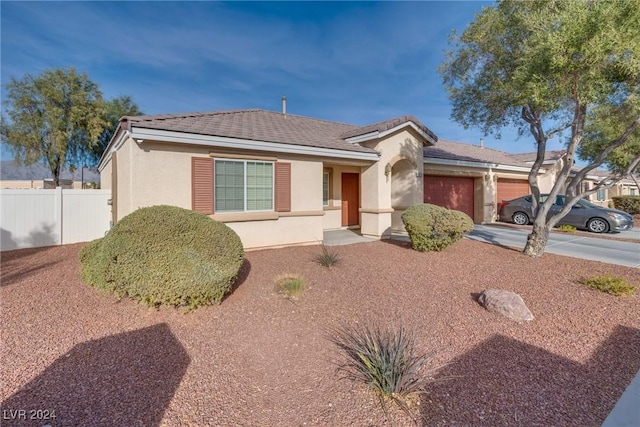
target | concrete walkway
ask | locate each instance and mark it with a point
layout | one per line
(344, 237)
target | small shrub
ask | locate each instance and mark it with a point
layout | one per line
(433, 228)
(165, 255)
(567, 228)
(328, 257)
(609, 284)
(629, 204)
(289, 285)
(382, 356)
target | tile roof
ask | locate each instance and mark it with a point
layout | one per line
(531, 157)
(593, 173)
(258, 125)
(388, 124)
(450, 150)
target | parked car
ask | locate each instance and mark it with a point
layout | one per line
(583, 215)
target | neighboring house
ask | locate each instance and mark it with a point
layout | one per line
(37, 176)
(475, 179)
(603, 196)
(626, 187)
(276, 179)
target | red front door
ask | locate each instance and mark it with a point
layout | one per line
(350, 199)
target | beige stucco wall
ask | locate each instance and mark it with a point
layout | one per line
(281, 232)
(154, 173)
(547, 180)
(406, 190)
(105, 176)
(377, 217)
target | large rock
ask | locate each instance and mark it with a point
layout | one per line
(506, 303)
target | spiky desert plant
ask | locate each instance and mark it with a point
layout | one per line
(328, 257)
(383, 356)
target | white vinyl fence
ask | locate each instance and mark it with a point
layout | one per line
(33, 218)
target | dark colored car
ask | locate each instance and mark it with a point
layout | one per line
(583, 215)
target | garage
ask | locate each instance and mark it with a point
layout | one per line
(509, 189)
(451, 192)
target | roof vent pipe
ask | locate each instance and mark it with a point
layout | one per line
(284, 106)
(481, 142)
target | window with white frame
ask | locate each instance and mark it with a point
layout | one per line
(243, 186)
(632, 191)
(601, 195)
(325, 189)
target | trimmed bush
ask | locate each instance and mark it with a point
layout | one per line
(165, 255)
(433, 228)
(629, 204)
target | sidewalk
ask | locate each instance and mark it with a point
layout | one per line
(626, 413)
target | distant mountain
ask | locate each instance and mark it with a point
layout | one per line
(10, 171)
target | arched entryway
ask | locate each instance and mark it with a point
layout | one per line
(404, 186)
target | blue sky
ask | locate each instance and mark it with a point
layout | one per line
(352, 62)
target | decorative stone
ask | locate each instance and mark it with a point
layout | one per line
(506, 303)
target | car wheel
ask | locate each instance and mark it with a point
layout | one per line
(598, 225)
(520, 218)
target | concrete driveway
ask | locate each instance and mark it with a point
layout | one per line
(592, 248)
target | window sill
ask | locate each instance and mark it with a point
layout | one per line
(261, 216)
(245, 216)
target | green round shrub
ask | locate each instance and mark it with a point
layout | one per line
(165, 255)
(433, 228)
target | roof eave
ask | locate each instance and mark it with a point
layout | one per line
(370, 136)
(118, 138)
(139, 133)
(479, 164)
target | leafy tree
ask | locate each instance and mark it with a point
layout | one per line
(546, 66)
(55, 117)
(115, 110)
(606, 123)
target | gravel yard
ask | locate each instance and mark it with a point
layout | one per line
(259, 359)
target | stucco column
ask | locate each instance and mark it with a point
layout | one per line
(375, 209)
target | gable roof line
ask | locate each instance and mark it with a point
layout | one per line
(385, 127)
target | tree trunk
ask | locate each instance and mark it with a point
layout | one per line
(536, 241)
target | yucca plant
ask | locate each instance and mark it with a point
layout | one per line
(328, 257)
(384, 357)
